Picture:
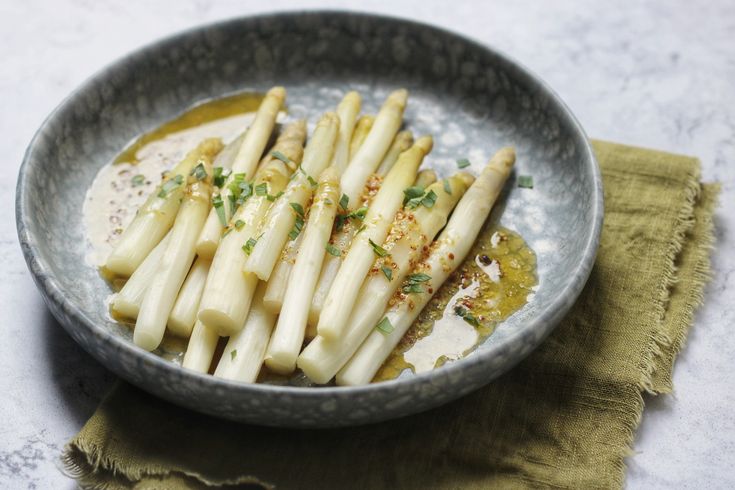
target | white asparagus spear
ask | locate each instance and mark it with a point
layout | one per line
(283, 216)
(244, 352)
(158, 213)
(366, 244)
(127, 301)
(446, 255)
(425, 178)
(245, 162)
(176, 260)
(184, 313)
(278, 282)
(228, 291)
(285, 343)
(362, 127)
(412, 231)
(347, 111)
(401, 143)
(374, 148)
(200, 351)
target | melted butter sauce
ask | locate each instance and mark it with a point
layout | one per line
(124, 184)
(496, 280)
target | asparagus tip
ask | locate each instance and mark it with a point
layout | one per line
(425, 144)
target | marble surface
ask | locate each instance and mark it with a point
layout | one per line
(657, 74)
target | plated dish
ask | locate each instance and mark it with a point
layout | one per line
(471, 98)
(309, 259)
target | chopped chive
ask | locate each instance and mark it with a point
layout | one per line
(298, 208)
(340, 221)
(385, 325)
(379, 251)
(412, 193)
(525, 181)
(413, 283)
(220, 175)
(219, 207)
(280, 156)
(199, 172)
(358, 213)
(312, 181)
(138, 180)
(273, 198)
(463, 163)
(233, 354)
(261, 189)
(418, 277)
(297, 226)
(447, 187)
(332, 250)
(239, 224)
(248, 247)
(465, 314)
(429, 199)
(170, 185)
(246, 190)
(388, 272)
(344, 201)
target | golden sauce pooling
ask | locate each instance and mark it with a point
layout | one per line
(496, 280)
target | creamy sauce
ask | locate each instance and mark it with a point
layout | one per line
(496, 280)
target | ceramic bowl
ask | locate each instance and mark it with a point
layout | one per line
(472, 98)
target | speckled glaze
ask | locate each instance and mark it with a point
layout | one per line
(471, 98)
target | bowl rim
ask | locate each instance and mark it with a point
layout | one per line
(545, 321)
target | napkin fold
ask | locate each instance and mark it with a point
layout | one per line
(564, 417)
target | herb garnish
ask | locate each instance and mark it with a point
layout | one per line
(427, 200)
(379, 251)
(219, 207)
(447, 187)
(525, 181)
(388, 272)
(332, 250)
(463, 163)
(298, 208)
(312, 181)
(465, 314)
(280, 156)
(199, 172)
(170, 185)
(261, 189)
(239, 224)
(248, 247)
(413, 283)
(297, 226)
(344, 201)
(138, 180)
(412, 193)
(233, 354)
(385, 326)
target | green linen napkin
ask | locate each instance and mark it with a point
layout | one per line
(564, 417)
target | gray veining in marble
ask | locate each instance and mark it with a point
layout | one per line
(656, 74)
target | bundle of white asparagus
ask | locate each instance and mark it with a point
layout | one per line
(317, 255)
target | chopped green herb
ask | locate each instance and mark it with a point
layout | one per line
(463, 163)
(447, 187)
(199, 172)
(219, 207)
(359, 213)
(332, 250)
(239, 224)
(170, 185)
(246, 189)
(379, 251)
(388, 272)
(340, 221)
(465, 314)
(298, 208)
(312, 181)
(344, 201)
(361, 228)
(233, 354)
(220, 175)
(385, 326)
(297, 226)
(273, 198)
(248, 247)
(328, 201)
(429, 199)
(280, 156)
(138, 180)
(525, 181)
(413, 283)
(411, 193)
(261, 189)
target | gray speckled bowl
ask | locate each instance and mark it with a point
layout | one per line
(471, 98)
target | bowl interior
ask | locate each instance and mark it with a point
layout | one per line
(470, 99)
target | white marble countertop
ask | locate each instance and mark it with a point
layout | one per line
(657, 74)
